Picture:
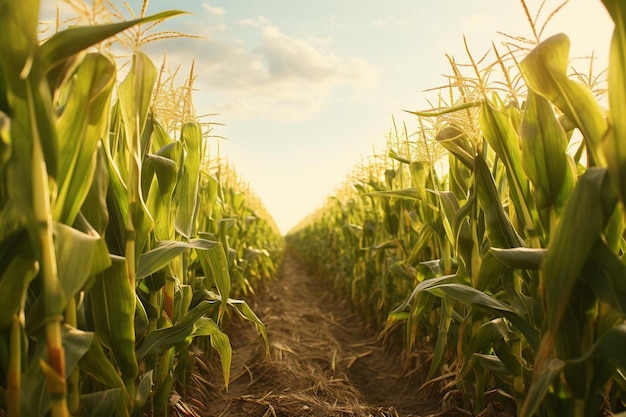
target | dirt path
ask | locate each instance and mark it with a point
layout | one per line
(323, 361)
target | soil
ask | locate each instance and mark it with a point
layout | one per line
(323, 361)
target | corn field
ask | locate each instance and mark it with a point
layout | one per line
(495, 232)
(492, 233)
(120, 245)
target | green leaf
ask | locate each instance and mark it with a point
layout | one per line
(544, 152)
(423, 286)
(545, 72)
(80, 256)
(456, 141)
(519, 258)
(472, 296)
(494, 365)
(35, 400)
(584, 218)
(18, 270)
(159, 193)
(541, 385)
(96, 363)
(135, 95)
(81, 125)
(144, 390)
(500, 231)
(483, 340)
(94, 208)
(500, 131)
(135, 98)
(20, 20)
(102, 403)
(435, 113)
(112, 303)
(246, 312)
(219, 341)
(187, 185)
(614, 145)
(443, 328)
(160, 340)
(165, 251)
(604, 273)
(68, 42)
(490, 273)
(215, 265)
(406, 193)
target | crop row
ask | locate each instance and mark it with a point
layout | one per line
(504, 252)
(120, 243)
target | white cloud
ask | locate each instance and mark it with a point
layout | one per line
(258, 21)
(212, 10)
(271, 74)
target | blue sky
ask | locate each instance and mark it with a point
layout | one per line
(306, 89)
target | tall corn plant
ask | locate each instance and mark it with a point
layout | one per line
(183, 274)
(44, 171)
(99, 214)
(521, 284)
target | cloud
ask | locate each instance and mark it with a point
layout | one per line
(289, 58)
(212, 10)
(267, 73)
(258, 21)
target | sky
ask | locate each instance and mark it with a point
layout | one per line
(304, 90)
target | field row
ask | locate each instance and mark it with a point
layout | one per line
(494, 234)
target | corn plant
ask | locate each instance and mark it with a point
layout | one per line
(515, 254)
(106, 275)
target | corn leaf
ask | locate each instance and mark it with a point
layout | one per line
(160, 340)
(135, 96)
(165, 251)
(20, 19)
(445, 318)
(584, 218)
(81, 125)
(112, 303)
(246, 312)
(94, 208)
(434, 113)
(500, 131)
(540, 387)
(66, 43)
(35, 399)
(482, 341)
(604, 273)
(96, 363)
(102, 403)
(160, 191)
(18, 270)
(80, 256)
(144, 389)
(455, 141)
(500, 231)
(614, 145)
(494, 365)
(215, 265)
(187, 185)
(545, 72)
(519, 258)
(544, 152)
(423, 286)
(219, 342)
(490, 272)
(472, 296)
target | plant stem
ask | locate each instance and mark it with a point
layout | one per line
(52, 289)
